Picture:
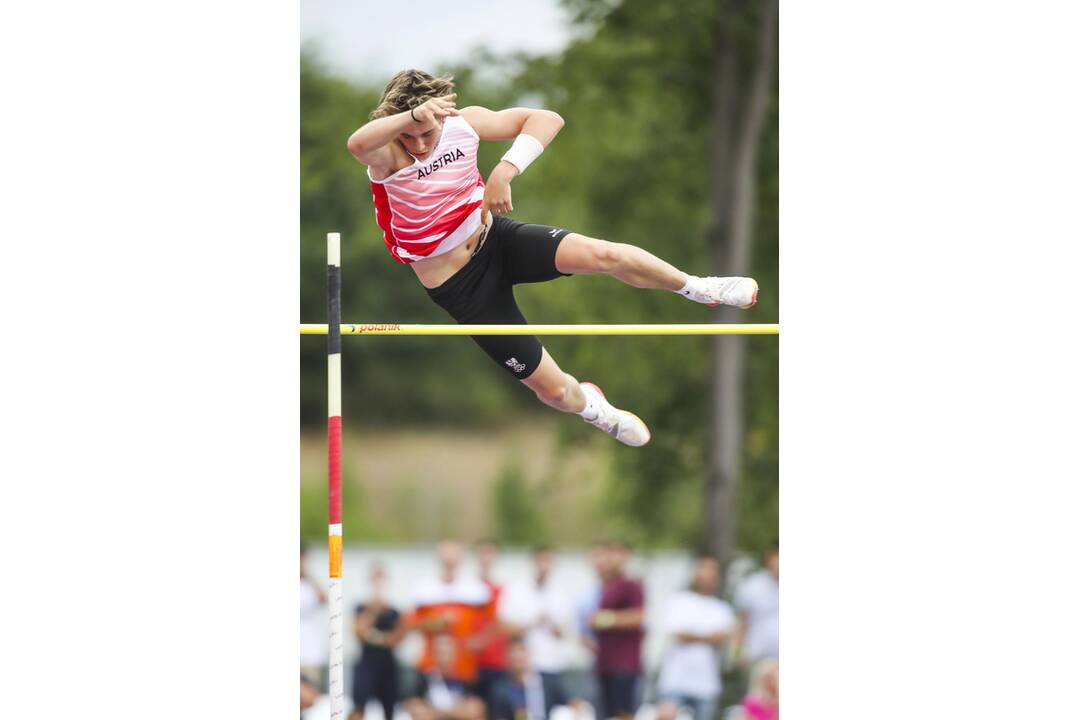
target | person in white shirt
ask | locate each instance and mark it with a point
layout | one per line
(757, 600)
(698, 624)
(537, 610)
(313, 633)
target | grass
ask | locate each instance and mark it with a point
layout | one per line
(423, 484)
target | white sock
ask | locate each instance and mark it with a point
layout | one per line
(693, 285)
(591, 410)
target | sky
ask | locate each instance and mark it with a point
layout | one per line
(367, 40)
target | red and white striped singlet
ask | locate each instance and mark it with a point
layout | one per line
(431, 207)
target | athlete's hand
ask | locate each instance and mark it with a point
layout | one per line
(436, 109)
(497, 197)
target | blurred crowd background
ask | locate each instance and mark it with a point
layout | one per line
(670, 143)
(468, 633)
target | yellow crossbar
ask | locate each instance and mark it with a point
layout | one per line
(669, 329)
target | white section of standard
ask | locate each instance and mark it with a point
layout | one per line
(335, 529)
(333, 249)
(333, 379)
(337, 652)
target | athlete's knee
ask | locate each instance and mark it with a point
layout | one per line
(555, 394)
(555, 391)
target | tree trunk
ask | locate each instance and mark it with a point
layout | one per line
(736, 137)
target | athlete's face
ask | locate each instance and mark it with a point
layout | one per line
(420, 141)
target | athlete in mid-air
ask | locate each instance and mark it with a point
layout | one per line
(439, 216)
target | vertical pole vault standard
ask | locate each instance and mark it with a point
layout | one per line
(333, 446)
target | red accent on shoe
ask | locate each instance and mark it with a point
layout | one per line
(753, 301)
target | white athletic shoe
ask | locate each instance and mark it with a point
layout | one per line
(626, 427)
(740, 292)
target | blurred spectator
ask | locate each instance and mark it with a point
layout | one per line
(763, 700)
(587, 605)
(589, 602)
(699, 624)
(379, 629)
(489, 642)
(537, 611)
(442, 694)
(525, 694)
(618, 625)
(757, 600)
(449, 604)
(313, 633)
(309, 693)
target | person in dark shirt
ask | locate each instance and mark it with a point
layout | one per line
(618, 624)
(524, 694)
(379, 629)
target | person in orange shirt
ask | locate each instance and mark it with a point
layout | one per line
(451, 605)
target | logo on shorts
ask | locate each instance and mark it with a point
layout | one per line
(554, 231)
(516, 366)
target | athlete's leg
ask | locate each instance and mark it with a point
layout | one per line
(554, 387)
(562, 391)
(581, 255)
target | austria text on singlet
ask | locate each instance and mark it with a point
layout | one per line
(431, 207)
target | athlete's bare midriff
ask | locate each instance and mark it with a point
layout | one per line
(434, 271)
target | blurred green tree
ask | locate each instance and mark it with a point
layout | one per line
(515, 507)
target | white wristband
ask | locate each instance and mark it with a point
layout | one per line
(525, 149)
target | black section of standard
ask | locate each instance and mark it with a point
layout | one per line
(333, 315)
(482, 292)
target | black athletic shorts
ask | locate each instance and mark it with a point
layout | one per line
(482, 292)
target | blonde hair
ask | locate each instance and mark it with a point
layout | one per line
(409, 89)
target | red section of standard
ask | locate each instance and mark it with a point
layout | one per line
(333, 436)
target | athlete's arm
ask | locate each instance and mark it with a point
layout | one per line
(371, 143)
(507, 124)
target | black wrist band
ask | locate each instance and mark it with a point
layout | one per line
(412, 116)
